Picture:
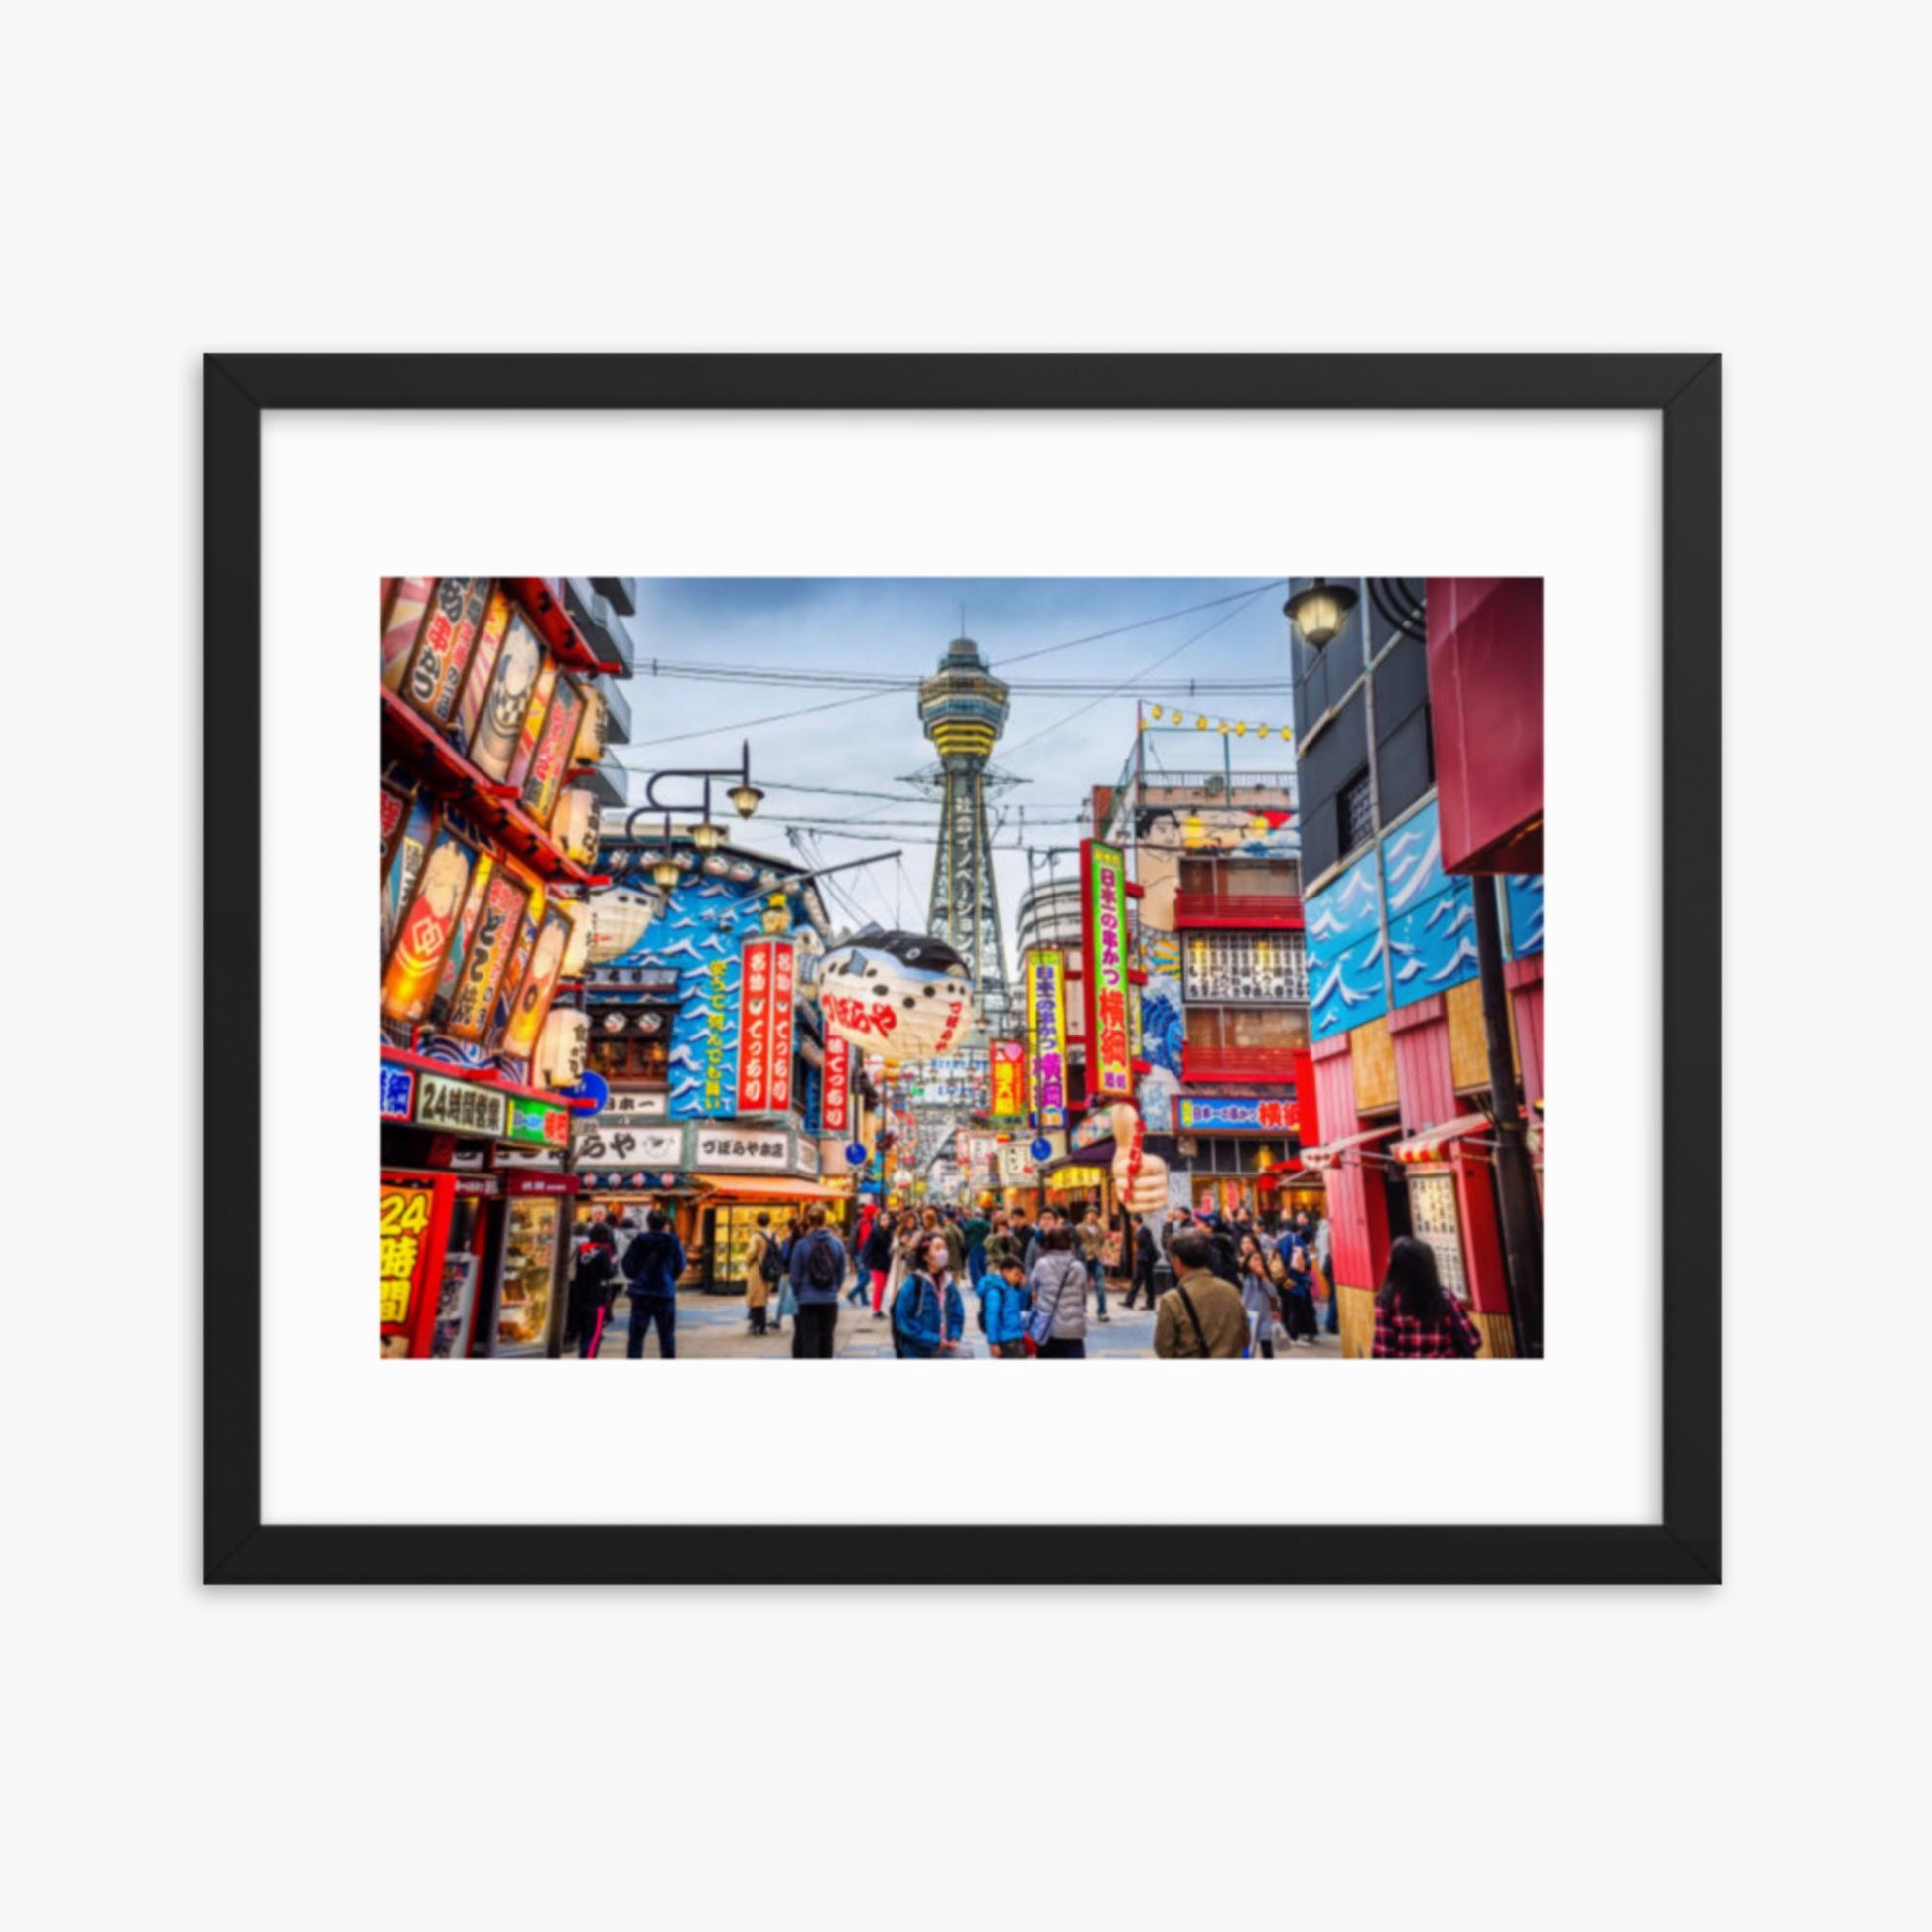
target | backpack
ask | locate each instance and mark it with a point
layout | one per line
(824, 1262)
(770, 1266)
(986, 1294)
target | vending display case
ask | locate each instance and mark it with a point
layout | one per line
(527, 1300)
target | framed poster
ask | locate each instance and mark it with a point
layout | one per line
(1324, 879)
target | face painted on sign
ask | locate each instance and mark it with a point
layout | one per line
(899, 991)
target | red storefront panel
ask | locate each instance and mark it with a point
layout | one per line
(1528, 997)
(1485, 690)
(1425, 1086)
(1357, 1203)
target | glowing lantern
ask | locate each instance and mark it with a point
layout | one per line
(592, 730)
(903, 993)
(562, 1047)
(577, 948)
(575, 825)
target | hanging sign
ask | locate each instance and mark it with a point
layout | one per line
(537, 1124)
(835, 1099)
(764, 1022)
(426, 929)
(531, 1005)
(398, 1092)
(1008, 1062)
(1047, 1034)
(1110, 1060)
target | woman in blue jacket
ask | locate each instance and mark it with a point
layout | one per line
(928, 1318)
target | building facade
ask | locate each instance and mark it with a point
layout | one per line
(1397, 1021)
(497, 708)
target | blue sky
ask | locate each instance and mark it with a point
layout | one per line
(1059, 745)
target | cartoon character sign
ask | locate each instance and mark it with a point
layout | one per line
(904, 994)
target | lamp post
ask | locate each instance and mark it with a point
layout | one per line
(707, 835)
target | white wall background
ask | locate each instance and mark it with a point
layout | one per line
(995, 177)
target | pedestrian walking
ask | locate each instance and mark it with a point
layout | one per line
(818, 1275)
(593, 1288)
(976, 1228)
(1005, 1302)
(1037, 1243)
(929, 1316)
(1147, 1257)
(876, 1259)
(1297, 1290)
(1092, 1239)
(1058, 1280)
(651, 1264)
(1009, 1237)
(1201, 1317)
(1416, 1318)
(1325, 1261)
(1259, 1296)
(856, 1293)
(763, 1269)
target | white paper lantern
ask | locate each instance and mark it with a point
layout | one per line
(575, 825)
(904, 994)
(592, 730)
(561, 1047)
(577, 948)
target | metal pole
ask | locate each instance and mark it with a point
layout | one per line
(1515, 1183)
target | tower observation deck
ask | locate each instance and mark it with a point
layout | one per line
(963, 708)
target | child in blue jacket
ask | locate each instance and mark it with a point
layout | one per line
(1005, 1302)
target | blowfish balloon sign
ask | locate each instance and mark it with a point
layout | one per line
(904, 995)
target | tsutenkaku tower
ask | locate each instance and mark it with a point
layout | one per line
(963, 708)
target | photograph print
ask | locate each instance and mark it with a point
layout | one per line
(987, 969)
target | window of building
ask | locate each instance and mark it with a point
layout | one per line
(1258, 968)
(1246, 1029)
(630, 1058)
(1355, 811)
(1242, 877)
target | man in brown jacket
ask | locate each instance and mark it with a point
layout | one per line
(1217, 1323)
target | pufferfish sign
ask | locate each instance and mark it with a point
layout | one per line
(903, 994)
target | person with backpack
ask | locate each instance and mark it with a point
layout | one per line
(818, 1275)
(1057, 1324)
(763, 1269)
(1297, 1290)
(1202, 1318)
(1004, 1305)
(1416, 1318)
(929, 1316)
(594, 1286)
(651, 1264)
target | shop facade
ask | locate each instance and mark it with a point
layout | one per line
(1403, 1079)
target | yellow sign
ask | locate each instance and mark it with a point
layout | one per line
(405, 1241)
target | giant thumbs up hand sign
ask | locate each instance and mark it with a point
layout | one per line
(1139, 1178)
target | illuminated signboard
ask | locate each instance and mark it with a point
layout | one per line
(1009, 1078)
(457, 1107)
(835, 1103)
(1236, 1114)
(1110, 1063)
(764, 1022)
(398, 1092)
(405, 1247)
(537, 1123)
(1047, 1034)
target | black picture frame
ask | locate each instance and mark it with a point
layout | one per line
(238, 1547)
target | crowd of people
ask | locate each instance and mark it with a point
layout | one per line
(1221, 1287)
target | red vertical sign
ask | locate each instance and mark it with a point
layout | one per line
(835, 1108)
(765, 1027)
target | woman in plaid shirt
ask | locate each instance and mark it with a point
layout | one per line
(1416, 1316)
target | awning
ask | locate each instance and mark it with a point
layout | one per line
(1096, 1154)
(739, 1187)
(1325, 1155)
(1434, 1143)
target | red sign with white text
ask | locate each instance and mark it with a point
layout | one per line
(765, 1027)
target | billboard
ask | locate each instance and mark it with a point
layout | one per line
(766, 975)
(1008, 1059)
(1047, 1034)
(1103, 897)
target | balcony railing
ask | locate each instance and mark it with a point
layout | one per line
(1266, 1065)
(1259, 910)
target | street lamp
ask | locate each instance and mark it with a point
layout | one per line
(1318, 612)
(745, 796)
(706, 836)
(665, 870)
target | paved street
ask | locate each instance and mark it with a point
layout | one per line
(711, 1328)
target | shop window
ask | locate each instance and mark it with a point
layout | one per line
(1252, 968)
(1242, 877)
(631, 1060)
(1355, 812)
(1434, 1221)
(1248, 1028)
